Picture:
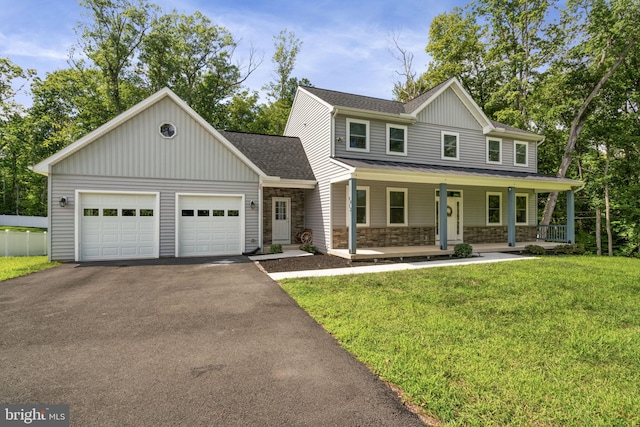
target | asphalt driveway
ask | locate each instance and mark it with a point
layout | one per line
(195, 342)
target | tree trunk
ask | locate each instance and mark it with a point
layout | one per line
(607, 215)
(576, 128)
(599, 232)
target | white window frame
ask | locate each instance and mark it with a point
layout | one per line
(405, 129)
(406, 206)
(492, 193)
(367, 134)
(515, 153)
(368, 207)
(526, 196)
(489, 161)
(442, 135)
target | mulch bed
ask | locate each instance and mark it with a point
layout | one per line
(322, 262)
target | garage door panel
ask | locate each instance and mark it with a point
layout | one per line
(210, 231)
(112, 227)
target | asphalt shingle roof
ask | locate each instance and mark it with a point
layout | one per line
(280, 156)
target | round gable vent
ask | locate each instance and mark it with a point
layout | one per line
(167, 130)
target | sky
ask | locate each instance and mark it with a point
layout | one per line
(347, 45)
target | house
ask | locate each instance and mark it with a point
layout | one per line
(432, 171)
(159, 181)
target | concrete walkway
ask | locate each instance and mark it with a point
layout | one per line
(483, 259)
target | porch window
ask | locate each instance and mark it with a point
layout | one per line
(397, 211)
(397, 140)
(520, 153)
(522, 211)
(357, 135)
(362, 206)
(494, 151)
(494, 208)
(450, 149)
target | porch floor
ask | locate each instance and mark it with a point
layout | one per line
(428, 251)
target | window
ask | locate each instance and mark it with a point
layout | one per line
(494, 208)
(146, 212)
(397, 140)
(167, 130)
(522, 211)
(494, 150)
(520, 153)
(187, 212)
(203, 212)
(450, 149)
(109, 212)
(233, 212)
(281, 210)
(397, 211)
(357, 135)
(362, 206)
(128, 212)
(217, 212)
(91, 212)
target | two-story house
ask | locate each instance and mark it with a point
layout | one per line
(159, 181)
(432, 171)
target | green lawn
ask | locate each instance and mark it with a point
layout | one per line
(11, 267)
(547, 342)
(32, 229)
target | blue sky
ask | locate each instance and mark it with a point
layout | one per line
(345, 44)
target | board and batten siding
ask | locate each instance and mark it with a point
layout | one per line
(448, 110)
(62, 219)
(310, 120)
(422, 202)
(136, 149)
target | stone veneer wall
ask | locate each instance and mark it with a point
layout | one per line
(498, 234)
(375, 237)
(297, 210)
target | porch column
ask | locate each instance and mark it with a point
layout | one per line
(511, 212)
(353, 197)
(442, 224)
(571, 217)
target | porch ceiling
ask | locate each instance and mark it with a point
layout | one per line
(378, 170)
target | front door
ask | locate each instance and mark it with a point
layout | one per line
(281, 220)
(454, 216)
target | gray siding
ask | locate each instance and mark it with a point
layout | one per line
(136, 149)
(310, 120)
(422, 199)
(448, 110)
(62, 219)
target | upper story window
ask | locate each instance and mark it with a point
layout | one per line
(357, 135)
(167, 130)
(522, 209)
(494, 208)
(397, 202)
(450, 146)
(361, 207)
(520, 153)
(494, 151)
(396, 140)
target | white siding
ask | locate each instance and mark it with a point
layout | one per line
(136, 149)
(310, 120)
(62, 219)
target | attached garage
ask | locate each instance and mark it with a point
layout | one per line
(210, 225)
(115, 226)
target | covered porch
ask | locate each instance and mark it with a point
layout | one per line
(431, 251)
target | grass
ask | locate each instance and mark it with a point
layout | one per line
(11, 267)
(13, 228)
(546, 342)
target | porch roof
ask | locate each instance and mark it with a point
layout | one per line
(377, 170)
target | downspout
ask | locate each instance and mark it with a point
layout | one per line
(332, 154)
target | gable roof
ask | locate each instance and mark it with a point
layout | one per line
(281, 156)
(45, 165)
(410, 109)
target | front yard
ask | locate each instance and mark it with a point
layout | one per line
(554, 341)
(11, 267)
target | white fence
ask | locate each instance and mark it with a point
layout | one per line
(22, 243)
(24, 221)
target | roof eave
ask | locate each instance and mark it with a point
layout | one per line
(397, 117)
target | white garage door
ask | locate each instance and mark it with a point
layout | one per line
(117, 226)
(210, 225)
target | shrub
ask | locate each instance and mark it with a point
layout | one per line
(463, 250)
(535, 249)
(308, 248)
(569, 249)
(276, 248)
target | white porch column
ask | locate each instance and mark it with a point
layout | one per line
(571, 217)
(442, 223)
(353, 204)
(511, 220)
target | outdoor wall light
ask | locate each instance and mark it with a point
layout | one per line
(252, 204)
(63, 201)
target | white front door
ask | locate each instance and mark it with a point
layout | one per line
(454, 216)
(281, 220)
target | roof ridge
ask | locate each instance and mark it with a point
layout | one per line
(258, 134)
(351, 93)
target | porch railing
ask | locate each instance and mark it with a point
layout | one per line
(552, 233)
